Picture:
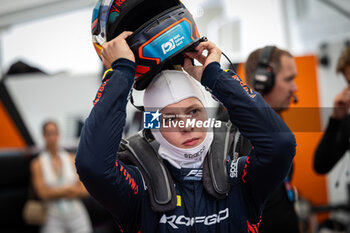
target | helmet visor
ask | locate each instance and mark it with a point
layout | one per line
(99, 23)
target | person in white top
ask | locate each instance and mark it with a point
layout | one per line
(56, 182)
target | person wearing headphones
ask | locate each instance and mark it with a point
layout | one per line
(271, 71)
(335, 141)
(176, 175)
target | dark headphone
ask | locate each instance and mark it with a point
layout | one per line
(264, 77)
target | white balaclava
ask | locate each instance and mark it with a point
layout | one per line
(169, 87)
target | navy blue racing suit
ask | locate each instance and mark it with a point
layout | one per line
(121, 189)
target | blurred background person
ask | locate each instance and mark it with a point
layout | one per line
(56, 182)
(271, 71)
(335, 141)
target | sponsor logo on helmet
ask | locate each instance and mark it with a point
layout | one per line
(172, 43)
(168, 46)
(176, 221)
(119, 2)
